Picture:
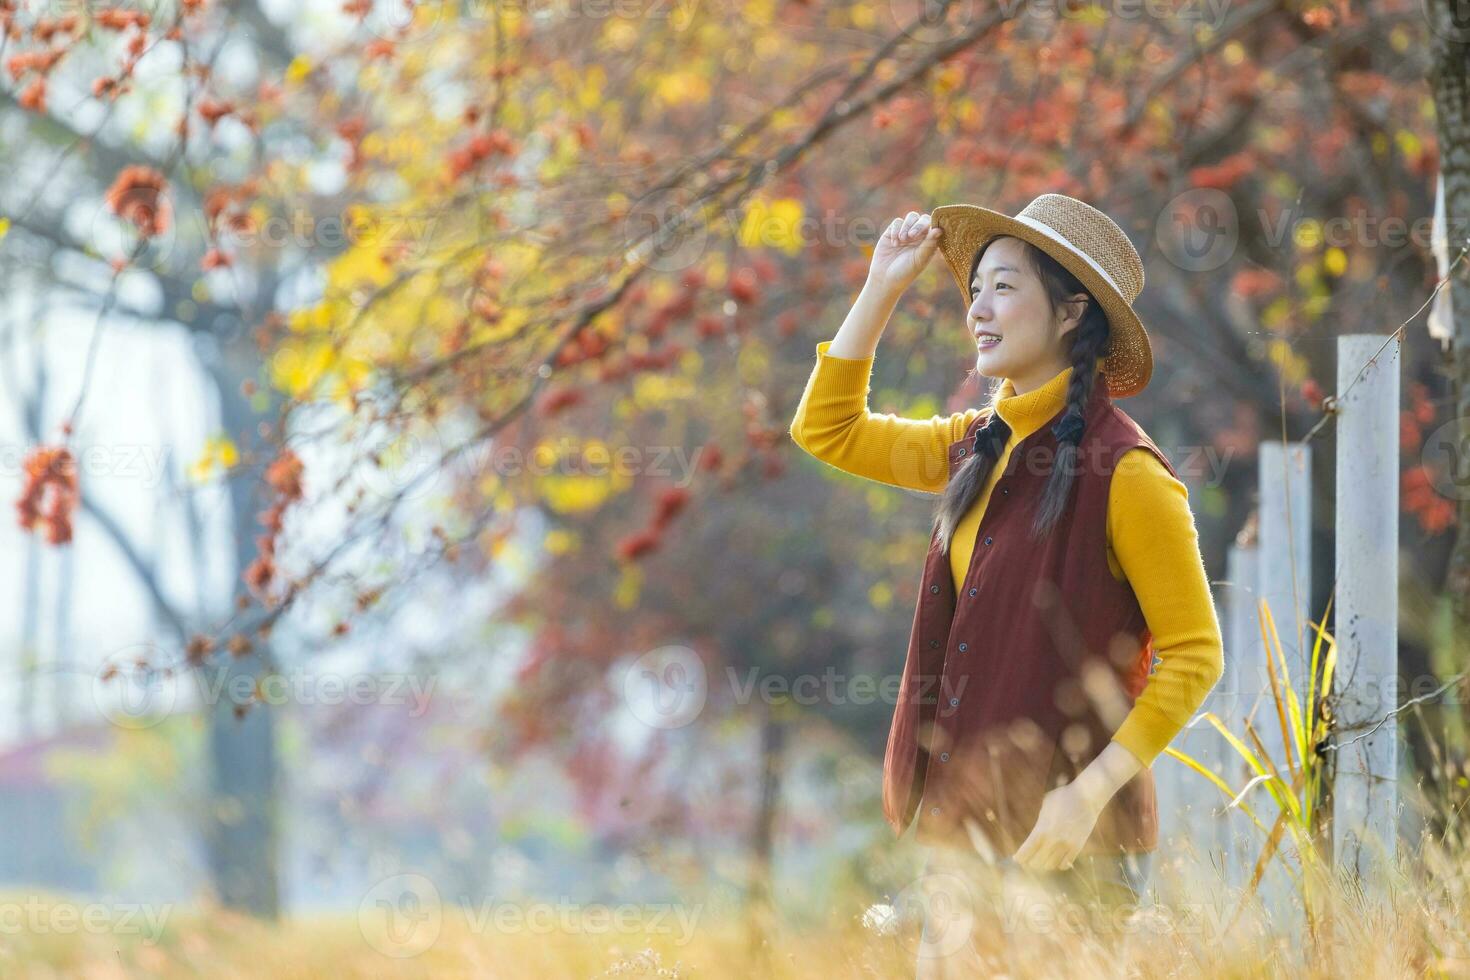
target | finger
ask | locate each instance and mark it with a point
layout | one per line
(1042, 856)
(1062, 856)
(1047, 856)
(908, 221)
(891, 232)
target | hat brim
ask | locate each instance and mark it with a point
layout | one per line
(1129, 362)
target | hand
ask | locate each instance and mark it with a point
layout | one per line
(1067, 817)
(902, 252)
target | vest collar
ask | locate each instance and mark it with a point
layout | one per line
(1027, 413)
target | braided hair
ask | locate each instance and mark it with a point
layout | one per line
(1089, 339)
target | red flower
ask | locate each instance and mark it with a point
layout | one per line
(378, 49)
(1225, 174)
(137, 196)
(118, 20)
(560, 399)
(34, 96)
(284, 475)
(213, 110)
(49, 492)
(1252, 282)
(670, 502)
(635, 546)
(743, 286)
(37, 61)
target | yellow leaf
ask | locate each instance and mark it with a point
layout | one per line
(297, 367)
(1335, 261)
(1308, 234)
(575, 493)
(938, 182)
(630, 583)
(298, 69)
(772, 224)
(680, 87)
(4, 226)
(219, 453)
(559, 542)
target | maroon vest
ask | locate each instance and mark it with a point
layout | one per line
(1018, 679)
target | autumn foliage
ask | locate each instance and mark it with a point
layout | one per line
(49, 493)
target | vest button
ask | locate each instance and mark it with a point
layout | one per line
(962, 451)
(944, 757)
(1005, 489)
(987, 539)
(935, 811)
(973, 591)
(954, 702)
(933, 644)
(935, 589)
(964, 647)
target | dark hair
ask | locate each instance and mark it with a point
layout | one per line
(1089, 339)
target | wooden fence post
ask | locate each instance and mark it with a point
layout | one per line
(1365, 620)
(1236, 691)
(1286, 585)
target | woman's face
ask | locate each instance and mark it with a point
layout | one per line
(1009, 302)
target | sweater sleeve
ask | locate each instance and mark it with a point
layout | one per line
(833, 424)
(1153, 535)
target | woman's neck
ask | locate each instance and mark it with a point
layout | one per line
(1035, 376)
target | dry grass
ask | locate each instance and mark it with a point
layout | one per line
(1422, 934)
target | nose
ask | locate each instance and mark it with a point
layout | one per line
(979, 311)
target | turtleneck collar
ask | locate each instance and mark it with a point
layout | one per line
(1029, 412)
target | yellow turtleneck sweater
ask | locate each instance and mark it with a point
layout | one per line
(1152, 542)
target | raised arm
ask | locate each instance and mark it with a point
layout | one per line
(832, 420)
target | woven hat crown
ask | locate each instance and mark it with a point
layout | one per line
(1093, 233)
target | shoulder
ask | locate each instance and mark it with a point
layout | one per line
(1128, 446)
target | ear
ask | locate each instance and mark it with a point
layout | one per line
(1072, 310)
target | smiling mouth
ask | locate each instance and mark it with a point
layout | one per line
(987, 341)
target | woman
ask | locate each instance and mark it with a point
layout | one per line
(1028, 718)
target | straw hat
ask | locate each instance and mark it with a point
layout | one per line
(1084, 240)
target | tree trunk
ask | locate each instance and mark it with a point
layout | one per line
(1448, 36)
(241, 836)
(760, 896)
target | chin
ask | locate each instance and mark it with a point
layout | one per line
(988, 367)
